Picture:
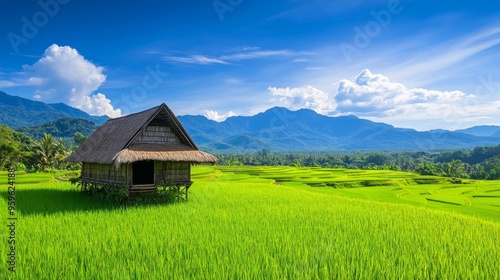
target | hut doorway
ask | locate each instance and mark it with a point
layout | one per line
(143, 172)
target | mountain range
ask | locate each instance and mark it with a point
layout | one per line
(482, 130)
(280, 129)
(18, 112)
(277, 129)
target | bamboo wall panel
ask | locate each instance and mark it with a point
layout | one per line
(159, 172)
(164, 171)
(105, 173)
(157, 135)
(174, 171)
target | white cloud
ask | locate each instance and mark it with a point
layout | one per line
(195, 59)
(233, 81)
(315, 68)
(256, 54)
(244, 49)
(444, 60)
(304, 97)
(214, 115)
(7, 83)
(63, 75)
(239, 54)
(375, 97)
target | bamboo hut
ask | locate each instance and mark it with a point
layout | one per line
(136, 153)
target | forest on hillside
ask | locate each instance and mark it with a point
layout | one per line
(62, 128)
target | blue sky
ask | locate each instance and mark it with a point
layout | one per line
(415, 64)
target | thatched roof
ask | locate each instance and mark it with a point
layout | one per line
(112, 143)
(162, 153)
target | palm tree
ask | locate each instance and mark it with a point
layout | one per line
(47, 152)
(62, 152)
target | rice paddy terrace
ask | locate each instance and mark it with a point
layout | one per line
(260, 223)
(481, 198)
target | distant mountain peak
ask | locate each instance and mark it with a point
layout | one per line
(482, 131)
(282, 129)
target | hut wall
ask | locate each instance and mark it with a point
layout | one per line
(104, 173)
(157, 135)
(172, 171)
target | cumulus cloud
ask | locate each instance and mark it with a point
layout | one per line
(414, 107)
(304, 97)
(374, 96)
(214, 115)
(63, 75)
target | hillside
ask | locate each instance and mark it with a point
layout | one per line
(19, 112)
(280, 129)
(277, 129)
(61, 128)
(483, 130)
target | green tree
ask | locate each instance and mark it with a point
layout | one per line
(377, 159)
(10, 149)
(62, 153)
(477, 172)
(426, 168)
(79, 138)
(49, 152)
(233, 161)
(456, 169)
(493, 167)
(494, 173)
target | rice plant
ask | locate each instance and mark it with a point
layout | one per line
(244, 223)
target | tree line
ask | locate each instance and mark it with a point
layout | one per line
(478, 163)
(48, 153)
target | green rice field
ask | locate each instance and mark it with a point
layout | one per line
(260, 223)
